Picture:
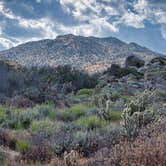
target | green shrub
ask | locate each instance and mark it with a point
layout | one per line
(18, 118)
(2, 109)
(90, 122)
(22, 145)
(42, 126)
(119, 72)
(52, 115)
(2, 114)
(162, 94)
(22, 118)
(2, 158)
(44, 110)
(87, 92)
(115, 116)
(85, 142)
(161, 60)
(74, 112)
(125, 98)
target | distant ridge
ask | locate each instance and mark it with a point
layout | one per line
(78, 51)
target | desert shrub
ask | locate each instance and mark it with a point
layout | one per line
(92, 111)
(18, 119)
(2, 114)
(22, 118)
(115, 115)
(61, 141)
(22, 145)
(43, 126)
(149, 148)
(90, 122)
(19, 101)
(109, 135)
(41, 153)
(77, 79)
(85, 142)
(1, 158)
(161, 60)
(119, 72)
(134, 72)
(73, 112)
(87, 92)
(52, 115)
(125, 98)
(6, 139)
(162, 94)
(44, 110)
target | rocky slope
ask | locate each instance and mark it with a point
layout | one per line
(82, 52)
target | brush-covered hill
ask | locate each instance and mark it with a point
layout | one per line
(89, 53)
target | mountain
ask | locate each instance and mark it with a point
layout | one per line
(89, 53)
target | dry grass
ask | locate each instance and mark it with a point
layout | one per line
(149, 149)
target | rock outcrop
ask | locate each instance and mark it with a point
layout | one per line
(134, 61)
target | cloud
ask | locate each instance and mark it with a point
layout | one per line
(44, 25)
(129, 13)
(81, 17)
(6, 43)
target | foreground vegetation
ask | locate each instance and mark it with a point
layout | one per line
(114, 118)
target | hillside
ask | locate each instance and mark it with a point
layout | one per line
(80, 52)
(110, 118)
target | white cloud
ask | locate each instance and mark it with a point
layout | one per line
(93, 18)
(7, 43)
(92, 12)
(44, 25)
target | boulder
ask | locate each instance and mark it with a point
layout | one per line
(134, 61)
(114, 69)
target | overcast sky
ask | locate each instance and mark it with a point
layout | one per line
(140, 21)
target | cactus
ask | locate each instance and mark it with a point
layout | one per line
(135, 115)
(103, 102)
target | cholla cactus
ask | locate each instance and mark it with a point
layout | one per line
(103, 102)
(135, 113)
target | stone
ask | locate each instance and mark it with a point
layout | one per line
(134, 61)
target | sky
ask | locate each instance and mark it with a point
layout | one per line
(140, 21)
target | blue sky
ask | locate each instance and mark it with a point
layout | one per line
(140, 21)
